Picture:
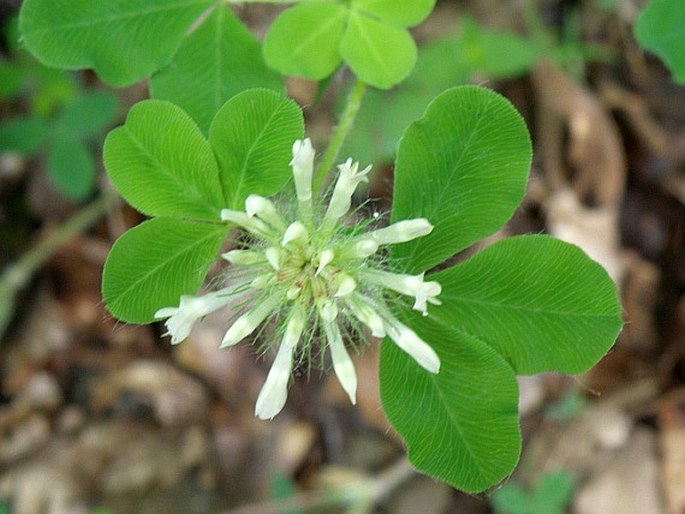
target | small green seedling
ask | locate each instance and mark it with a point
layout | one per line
(551, 495)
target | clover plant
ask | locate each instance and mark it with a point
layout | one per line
(306, 271)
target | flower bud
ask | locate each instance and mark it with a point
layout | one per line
(407, 340)
(303, 168)
(259, 206)
(342, 364)
(324, 260)
(295, 232)
(275, 389)
(248, 322)
(348, 180)
(402, 231)
(243, 257)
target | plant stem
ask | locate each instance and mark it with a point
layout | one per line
(354, 101)
(18, 274)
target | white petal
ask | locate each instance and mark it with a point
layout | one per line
(410, 285)
(342, 364)
(256, 205)
(410, 342)
(273, 255)
(253, 225)
(166, 312)
(303, 167)
(362, 248)
(324, 260)
(328, 311)
(402, 231)
(274, 392)
(243, 257)
(296, 231)
(362, 310)
(191, 309)
(348, 180)
(261, 281)
(248, 322)
(346, 284)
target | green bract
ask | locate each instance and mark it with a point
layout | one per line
(307, 267)
(371, 36)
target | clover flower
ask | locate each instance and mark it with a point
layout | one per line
(315, 275)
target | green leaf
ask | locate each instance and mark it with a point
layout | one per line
(88, 114)
(23, 135)
(162, 165)
(153, 264)
(496, 54)
(252, 136)
(405, 13)
(71, 167)
(304, 40)
(220, 59)
(53, 89)
(122, 40)
(460, 425)
(541, 303)
(381, 55)
(464, 167)
(659, 29)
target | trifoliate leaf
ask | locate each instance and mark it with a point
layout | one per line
(310, 39)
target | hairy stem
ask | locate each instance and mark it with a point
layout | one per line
(354, 101)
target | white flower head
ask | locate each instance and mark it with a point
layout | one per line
(309, 277)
